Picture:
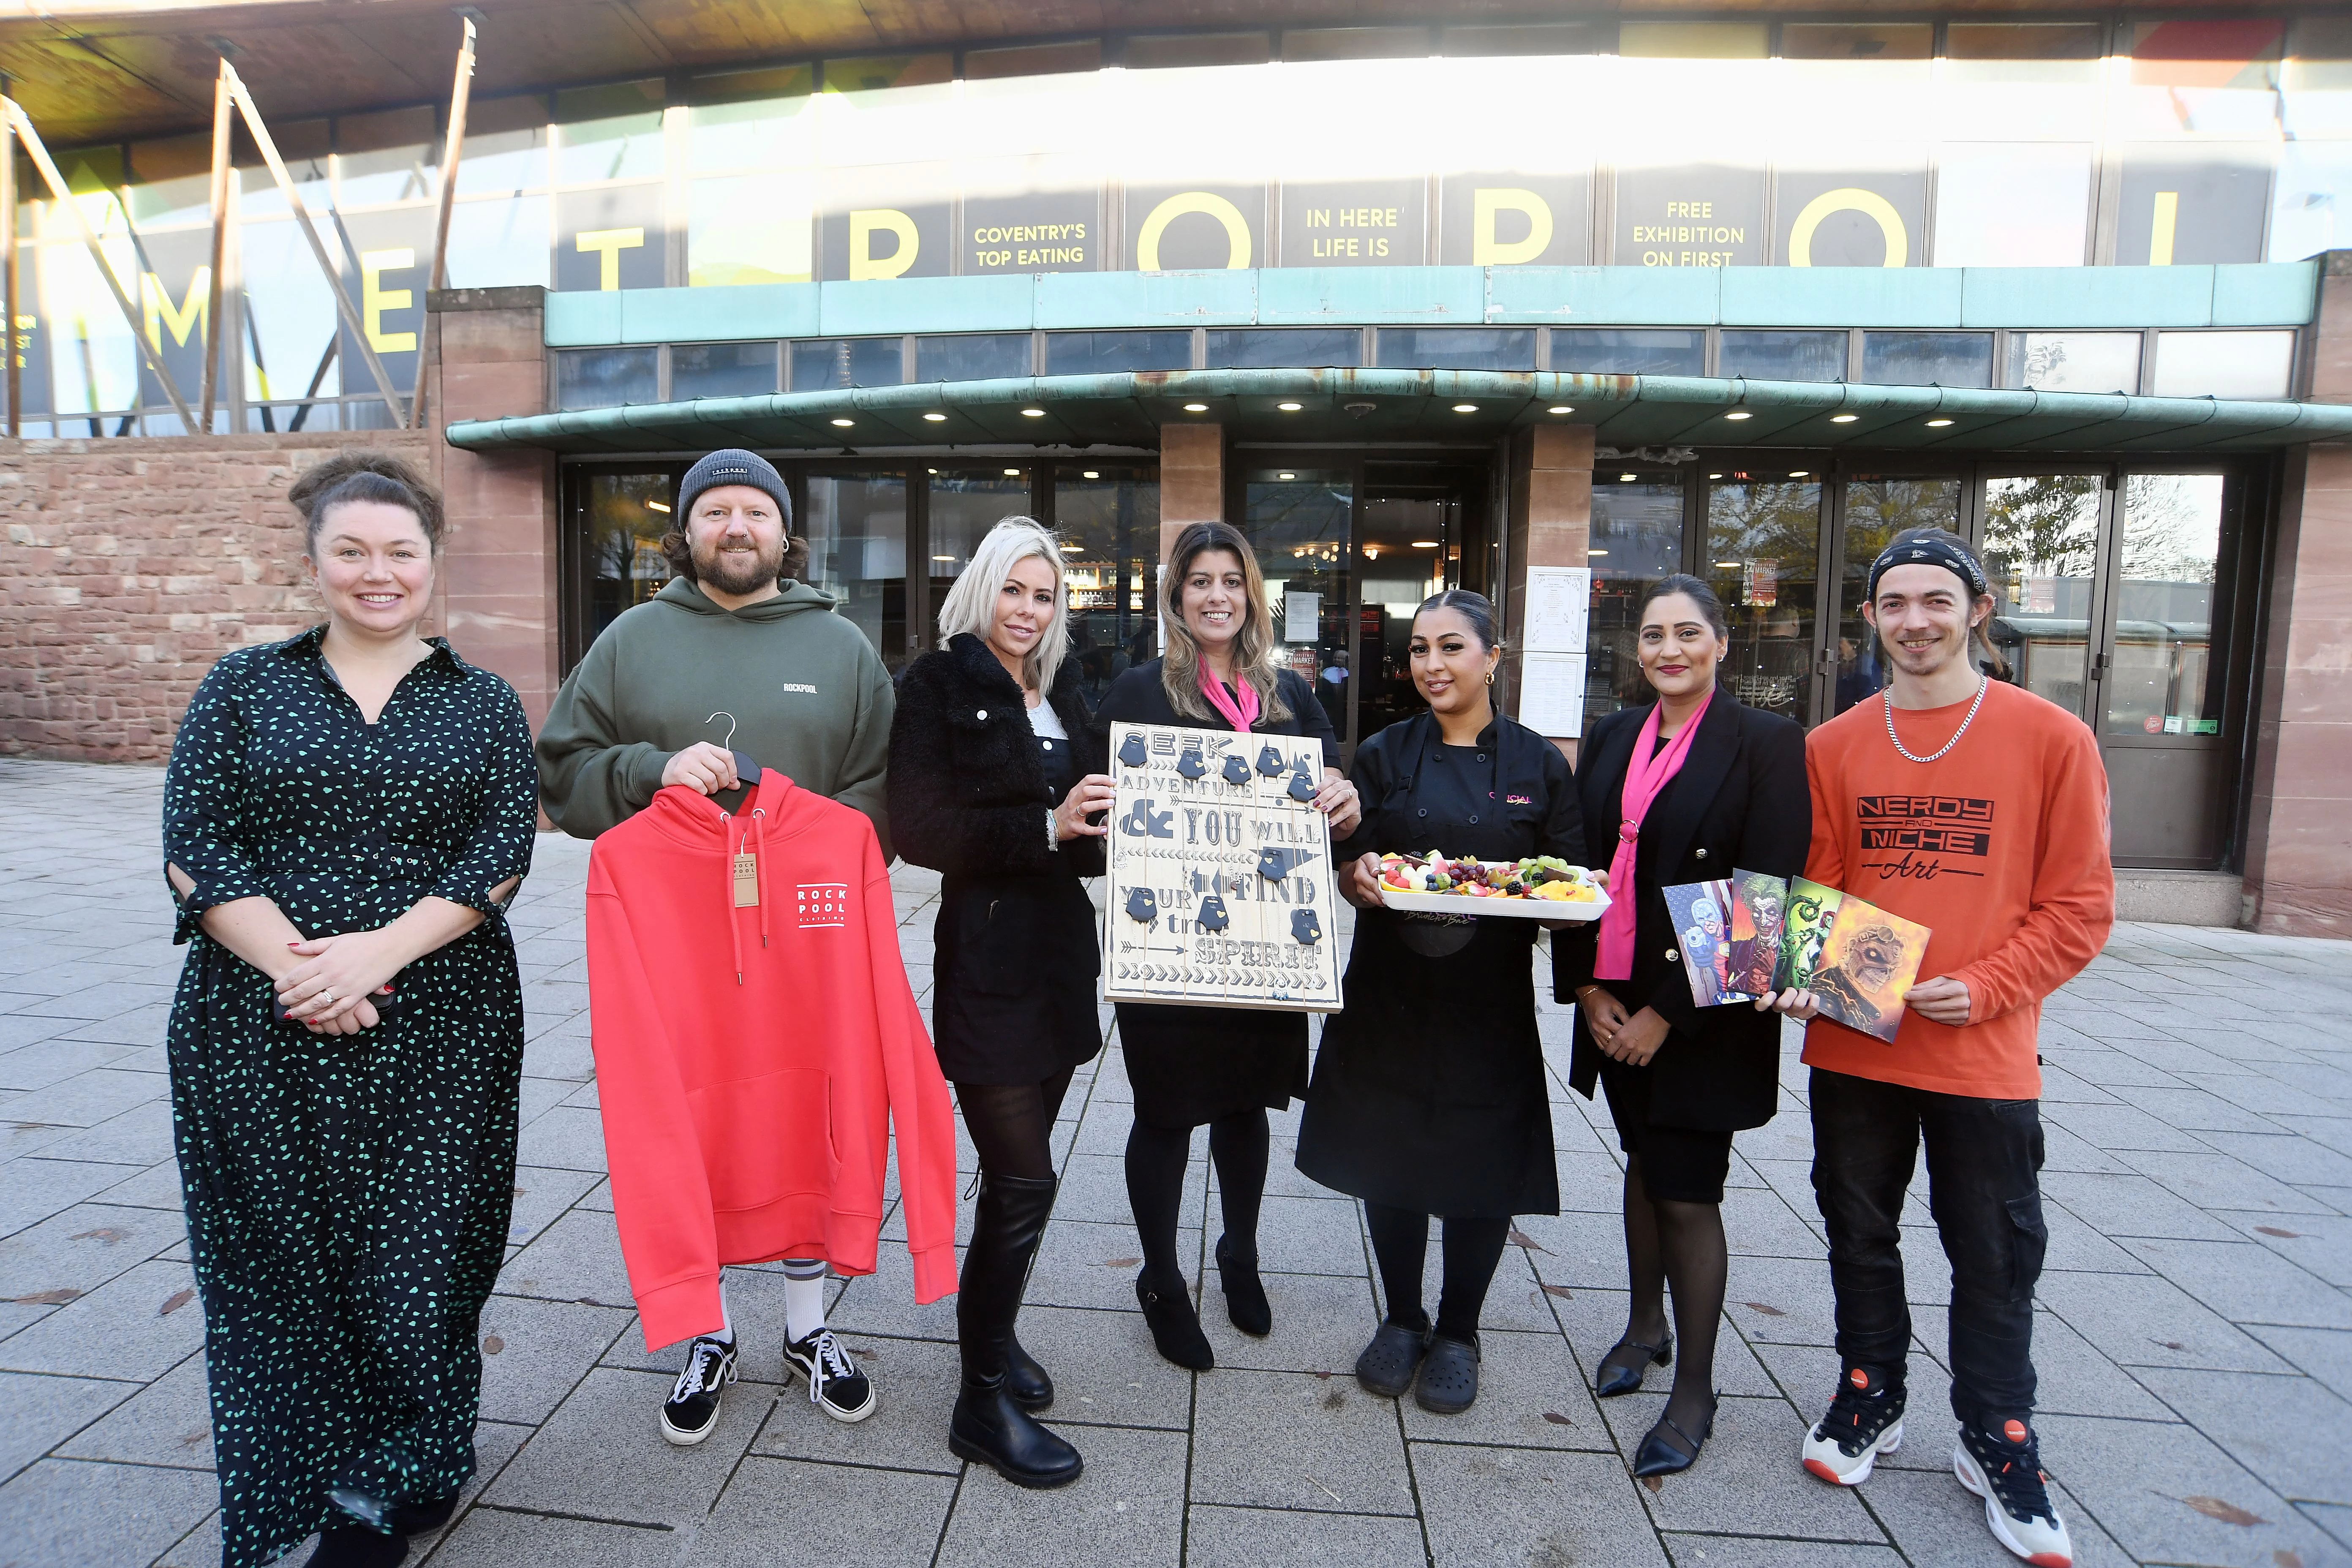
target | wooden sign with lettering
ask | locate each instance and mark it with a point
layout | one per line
(1221, 891)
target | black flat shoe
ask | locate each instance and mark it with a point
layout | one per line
(424, 1518)
(1387, 1363)
(1025, 1382)
(345, 1544)
(988, 1428)
(1616, 1377)
(1246, 1302)
(1175, 1327)
(1657, 1457)
(1448, 1384)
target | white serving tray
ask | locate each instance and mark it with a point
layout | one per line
(1511, 909)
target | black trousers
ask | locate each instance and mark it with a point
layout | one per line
(1984, 1165)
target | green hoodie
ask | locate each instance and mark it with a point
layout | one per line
(809, 694)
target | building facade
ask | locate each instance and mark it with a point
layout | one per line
(1544, 305)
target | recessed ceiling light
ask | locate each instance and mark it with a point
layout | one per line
(1012, 473)
(1196, 408)
(845, 424)
(1290, 408)
(1032, 413)
(1072, 549)
(1739, 414)
(934, 470)
(1092, 474)
(1624, 478)
(1424, 544)
(1938, 424)
(943, 557)
(1843, 418)
(1710, 476)
(1465, 408)
(1286, 476)
(1596, 553)
(1799, 473)
(935, 418)
(656, 506)
(1560, 408)
(1726, 565)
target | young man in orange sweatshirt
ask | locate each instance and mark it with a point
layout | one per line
(1980, 810)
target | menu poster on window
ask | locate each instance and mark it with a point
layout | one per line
(609, 238)
(1354, 223)
(1511, 219)
(1219, 889)
(1694, 214)
(1551, 694)
(1559, 602)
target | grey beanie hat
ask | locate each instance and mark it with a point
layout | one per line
(733, 466)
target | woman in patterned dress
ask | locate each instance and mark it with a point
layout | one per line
(346, 813)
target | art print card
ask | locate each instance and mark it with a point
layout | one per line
(1804, 924)
(1701, 913)
(1868, 964)
(1759, 905)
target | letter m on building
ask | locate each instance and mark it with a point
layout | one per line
(190, 315)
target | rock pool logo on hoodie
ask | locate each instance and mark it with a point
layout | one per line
(824, 904)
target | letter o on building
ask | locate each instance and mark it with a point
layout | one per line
(1849, 199)
(1207, 203)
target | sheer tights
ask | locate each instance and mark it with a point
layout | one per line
(1470, 1249)
(1012, 1124)
(1682, 1243)
(1156, 1157)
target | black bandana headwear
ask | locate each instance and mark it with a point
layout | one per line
(1930, 550)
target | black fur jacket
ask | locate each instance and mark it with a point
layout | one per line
(968, 796)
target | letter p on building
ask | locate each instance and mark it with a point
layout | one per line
(1487, 204)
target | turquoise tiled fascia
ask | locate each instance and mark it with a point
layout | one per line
(1370, 296)
(2087, 297)
(2267, 294)
(582, 320)
(716, 315)
(996, 304)
(1841, 296)
(2260, 294)
(1227, 298)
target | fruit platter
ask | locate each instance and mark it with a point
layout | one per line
(1545, 887)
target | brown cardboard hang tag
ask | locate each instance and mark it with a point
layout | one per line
(747, 880)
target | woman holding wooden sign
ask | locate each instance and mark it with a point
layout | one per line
(1222, 1066)
(1687, 789)
(1429, 1094)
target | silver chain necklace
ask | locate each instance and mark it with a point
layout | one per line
(1982, 682)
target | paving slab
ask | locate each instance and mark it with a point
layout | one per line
(1272, 1440)
(63, 1511)
(1126, 1508)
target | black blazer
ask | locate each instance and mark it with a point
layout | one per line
(966, 788)
(1740, 802)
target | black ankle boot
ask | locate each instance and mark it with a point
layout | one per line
(1175, 1327)
(989, 1427)
(1246, 1302)
(1027, 1382)
(345, 1543)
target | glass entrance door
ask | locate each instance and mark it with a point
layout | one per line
(2040, 548)
(1299, 520)
(1763, 555)
(1876, 508)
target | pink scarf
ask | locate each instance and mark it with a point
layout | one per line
(1240, 710)
(1646, 774)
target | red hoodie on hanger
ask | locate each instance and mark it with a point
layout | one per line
(756, 1045)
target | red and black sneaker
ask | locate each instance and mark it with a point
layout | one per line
(1865, 1420)
(2004, 1467)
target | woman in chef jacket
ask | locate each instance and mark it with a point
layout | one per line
(1429, 1093)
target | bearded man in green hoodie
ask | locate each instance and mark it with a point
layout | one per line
(731, 634)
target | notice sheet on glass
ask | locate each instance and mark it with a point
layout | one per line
(1220, 888)
(1551, 638)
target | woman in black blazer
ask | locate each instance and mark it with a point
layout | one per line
(994, 769)
(1222, 1066)
(1680, 1080)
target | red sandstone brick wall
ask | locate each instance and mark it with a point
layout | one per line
(127, 566)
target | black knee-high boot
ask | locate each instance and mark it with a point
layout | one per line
(989, 1427)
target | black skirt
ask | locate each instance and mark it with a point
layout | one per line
(1192, 1065)
(1000, 1012)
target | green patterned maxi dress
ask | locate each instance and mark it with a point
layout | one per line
(348, 1197)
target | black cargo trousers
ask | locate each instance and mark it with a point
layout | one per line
(1984, 1165)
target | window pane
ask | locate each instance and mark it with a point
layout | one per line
(2164, 682)
(1112, 514)
(1927, 359)
(1089, 353)
(1876, 509)
(1784, 356)
(606, 378)
(721, 370)
(964, 507)
(2040, 543)
(857, 528)
(1608, 351)
(833, 363)
(1298, 521)
(975, 357)
(2074, 362)
(1637, 538)
(2223, 364)
(609, 133)
(1763, 541)
(627, 515)
(1458, 348)
(1309, 348)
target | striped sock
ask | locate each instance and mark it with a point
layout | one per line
(803, 1296)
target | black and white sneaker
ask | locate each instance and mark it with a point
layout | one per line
(1865, 1420)
(692, 1412)
(2004, 1467)
(836, 1385)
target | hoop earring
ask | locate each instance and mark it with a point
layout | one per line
(1490, 677)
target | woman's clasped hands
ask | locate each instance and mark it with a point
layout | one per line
(333, 989)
